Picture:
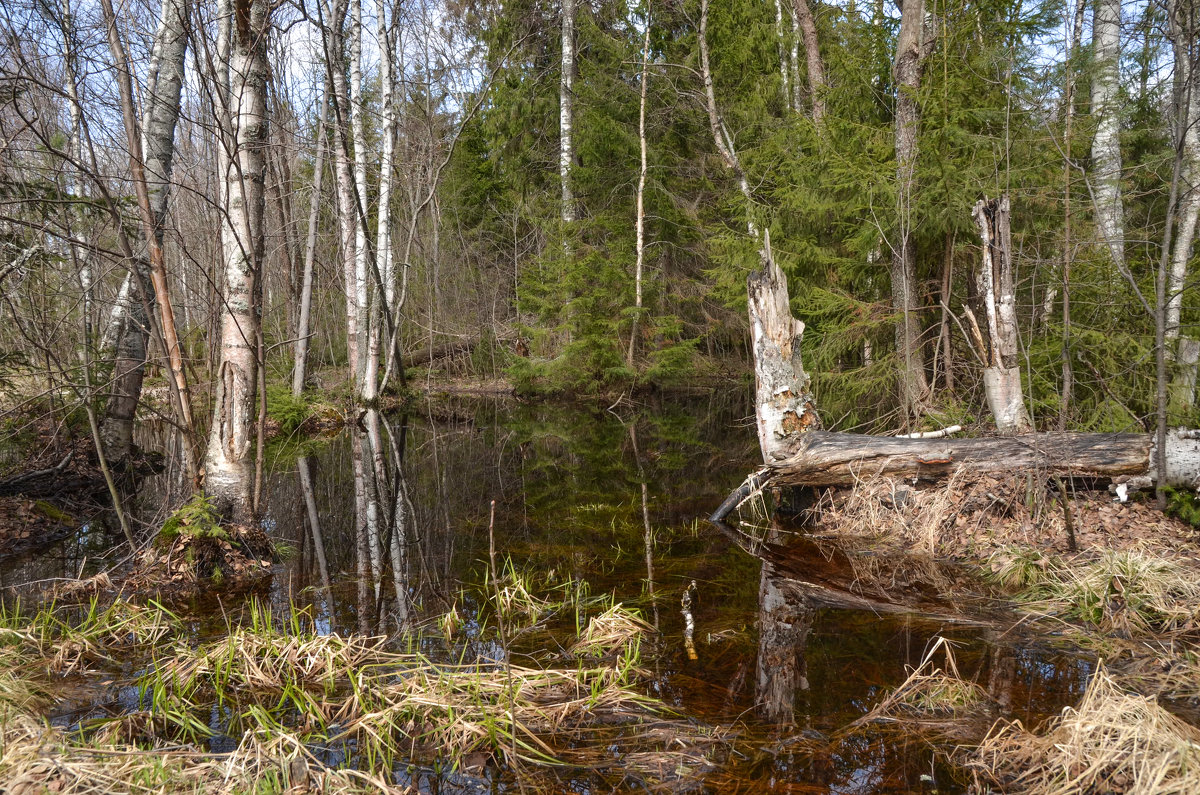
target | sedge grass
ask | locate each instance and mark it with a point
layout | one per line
(1113, 741)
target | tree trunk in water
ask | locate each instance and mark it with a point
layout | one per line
(228, 464)
(151, 152)
(812, 52)
(1106, 145)
(566, 110)
(914, 388)
(1002, 375)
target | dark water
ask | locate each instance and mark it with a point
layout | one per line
(612, 498)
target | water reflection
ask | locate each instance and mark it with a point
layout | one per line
(385, 528)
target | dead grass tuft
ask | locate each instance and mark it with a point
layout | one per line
(1113, 742)
(611, 632)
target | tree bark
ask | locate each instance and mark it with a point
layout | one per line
(781, 46)
(566, 111)
(300, 362)
(228, 464)
(1106, 145)
(843, 459)
(812, 52)
(641, 193)
(907, 70)
(150, 161)
(783, 400)
(1184, 31)
(1002, 375)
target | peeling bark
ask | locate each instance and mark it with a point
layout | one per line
(229, 460)
(783, 402)
(1002, 375)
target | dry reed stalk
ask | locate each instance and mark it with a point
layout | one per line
(610, 632)
(1113, 742)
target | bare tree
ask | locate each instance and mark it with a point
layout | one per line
(229, 460)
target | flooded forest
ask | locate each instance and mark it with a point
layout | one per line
(579, 396)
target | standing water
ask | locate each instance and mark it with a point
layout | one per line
(388, 529)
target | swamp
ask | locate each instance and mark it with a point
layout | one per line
(588, 396)
(547, 611)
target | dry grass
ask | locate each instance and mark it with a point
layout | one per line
(615, 630)
(36, 758)
(933, 693)
(1113, 742)
(1130, 592)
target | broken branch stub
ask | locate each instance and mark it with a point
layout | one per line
(784, 406)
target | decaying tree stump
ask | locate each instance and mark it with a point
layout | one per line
(782, 397)
(1001, 374)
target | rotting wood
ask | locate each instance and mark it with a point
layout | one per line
(432, 353)
(822, 458)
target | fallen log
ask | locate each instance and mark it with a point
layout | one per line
(820, 458)
(432, 353)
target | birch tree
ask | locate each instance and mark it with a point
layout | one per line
(229, 460)
(1106, 145)
(1184, 30)
(152, 150)
(566, 111)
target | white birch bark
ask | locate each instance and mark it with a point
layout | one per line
(383, 230)
(347, 207)
(229, 460)
(358, 131)
(1106, 145)
(300, 363)
(782, 47)
(1183, 27)
(1002, 375)
(641, 193)
(721, 137)
(566, 111)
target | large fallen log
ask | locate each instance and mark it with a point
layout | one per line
(820, 458)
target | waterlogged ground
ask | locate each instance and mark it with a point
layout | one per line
(593, 508)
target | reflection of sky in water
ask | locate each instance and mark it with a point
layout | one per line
(568, 488)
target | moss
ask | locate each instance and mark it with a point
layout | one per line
(54, 513)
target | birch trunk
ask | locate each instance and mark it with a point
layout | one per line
(784, 407)
(229, 460)
(721, 137)
(1106, 145)
(1002, 375)
(566, 111)
(347, 208)
(358, 131)
(151, 154)
(383, 233)
(907, 70)
(782, 48)
(641, 193)
(812, 52)
(300, 363)
(1184, 31)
